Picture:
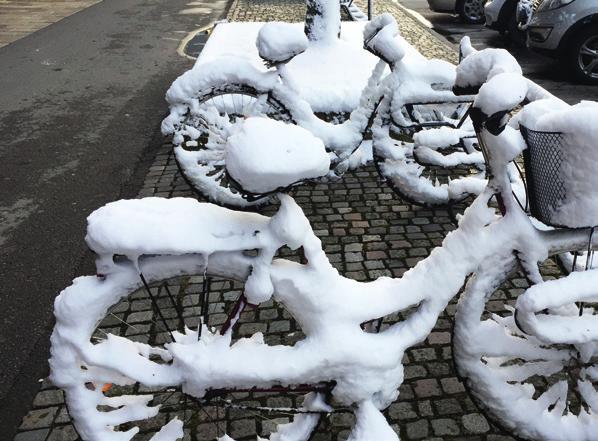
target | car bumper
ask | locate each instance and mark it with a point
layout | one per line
(546, 29)
(442, 5)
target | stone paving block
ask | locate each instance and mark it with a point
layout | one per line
(39, 418)
(475, 423)
(63, 433)
(418, 429)
(428, 387)
(242, 428)
(34, 435)
(445, 427)
(48, 398)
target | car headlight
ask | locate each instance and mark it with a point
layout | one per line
(548, 5)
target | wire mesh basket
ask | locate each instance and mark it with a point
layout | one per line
(543, 161)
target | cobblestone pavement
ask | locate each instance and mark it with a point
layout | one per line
(367, 232)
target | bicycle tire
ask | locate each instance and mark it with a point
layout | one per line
(421, 184)
(524, 384)
(86, 383)
(199, 144)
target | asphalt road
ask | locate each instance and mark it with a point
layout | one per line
(547, 72)
(80, 106)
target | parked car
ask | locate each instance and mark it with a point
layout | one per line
(567, 29)
(470, 11)
(501, 15)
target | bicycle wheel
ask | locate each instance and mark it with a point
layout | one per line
(110, 355)
(537, 389)
(424, 184)
(200, 139)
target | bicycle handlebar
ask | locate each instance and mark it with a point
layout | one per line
(379, 39)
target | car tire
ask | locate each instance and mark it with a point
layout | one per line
(471, 11)
(581, 55)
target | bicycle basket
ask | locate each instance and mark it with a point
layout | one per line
(552, 198)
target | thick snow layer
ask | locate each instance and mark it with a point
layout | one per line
(370, 424)
(478, 67)
(440, 137)
(502, 373)
(499, 77)
(379, 34)
(279, 41)
(329, 74)
(502, 92)
(265, 155)
(153, 225)
(328, 307)
(323, 20)
(579, 286)
(579, 156)
(413, 79)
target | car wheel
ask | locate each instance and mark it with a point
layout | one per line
(471, 11)
(582, 56)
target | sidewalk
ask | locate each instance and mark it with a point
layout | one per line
(19, 18)
(368, 232)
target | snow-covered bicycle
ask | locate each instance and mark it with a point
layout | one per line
(111, 380)
(209, 103)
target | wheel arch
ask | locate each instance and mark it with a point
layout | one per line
(580, 25)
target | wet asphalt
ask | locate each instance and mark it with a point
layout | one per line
(80, 107)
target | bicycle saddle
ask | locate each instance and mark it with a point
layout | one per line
(266, 156)
(280, 42)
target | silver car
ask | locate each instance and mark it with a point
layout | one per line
(470, 11)
(567, 29)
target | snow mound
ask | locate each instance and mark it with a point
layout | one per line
(379, 36)
(265, 155)
(154, 226)
(280, 41)
(329, 75)
(479, 67)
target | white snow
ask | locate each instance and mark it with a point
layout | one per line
(502, 92)
(326, 23)
(333, 75)
(277, 41)
(153, 225)
(329, 75)
(440, 137)
(379, 35)
(480, 66)
(328, 307)
(265, 155)
(561, 327)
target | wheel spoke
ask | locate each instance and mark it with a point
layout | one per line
(586, 50)
(591, 66)
(555, 395)
(589, 394)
